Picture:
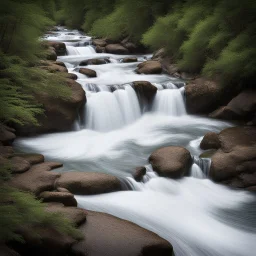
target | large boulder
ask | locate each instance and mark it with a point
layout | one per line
(88, 72)
(116, 49)
(7, 135)
(60, 48)
(202, 96)
(88, 183)
(102, 231)
(242, 107)
(172, 162)
(235, 162)
(37, 179)
(60, 114)
(145, 90)
(149, 67)
(94, 62)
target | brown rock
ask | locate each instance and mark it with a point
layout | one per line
(37, 179)
(76, 215)
(172, 162)
(210, 141)
(100, 49)
(102, 231)
(129, 59)
(94, 62)
(242, 107)
(31, 158)
(139, 173)
(72, 76)
(7, 135)
(202, 96)
(234, 163)
(51, 54)
(88, 183)
(6, 151)
(60, 48)
(99, 42)
(60, 63)
(116, 49)
(65, 198)
(145, 90)
(19, 164)
(159, 54)
(60, 113)
(43, 240)
(60, 189)
(149, 67)
(88, 72)
(53, 68)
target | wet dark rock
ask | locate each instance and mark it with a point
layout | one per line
(7, 135)
(88, 72)
(172, 162)
(129, 59)
(145, 90)
(94, 62)
(139, 173)
(88, 183)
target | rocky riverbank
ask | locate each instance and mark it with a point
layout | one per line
(31, 173)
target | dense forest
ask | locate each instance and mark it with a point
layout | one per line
(212, 38)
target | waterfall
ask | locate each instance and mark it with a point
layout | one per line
(196, 215)
(170, 102)
(106, 111)
(86, 50)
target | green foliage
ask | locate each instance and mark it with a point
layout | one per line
(22, 209)
(215, 38)
(18, 84)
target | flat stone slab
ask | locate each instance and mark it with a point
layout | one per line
(110, 236)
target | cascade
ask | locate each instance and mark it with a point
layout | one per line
(196, 215)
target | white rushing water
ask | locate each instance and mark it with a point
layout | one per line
(199, 217)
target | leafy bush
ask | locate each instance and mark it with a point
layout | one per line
(22, 209)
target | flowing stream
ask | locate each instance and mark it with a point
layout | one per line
(118, 132)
